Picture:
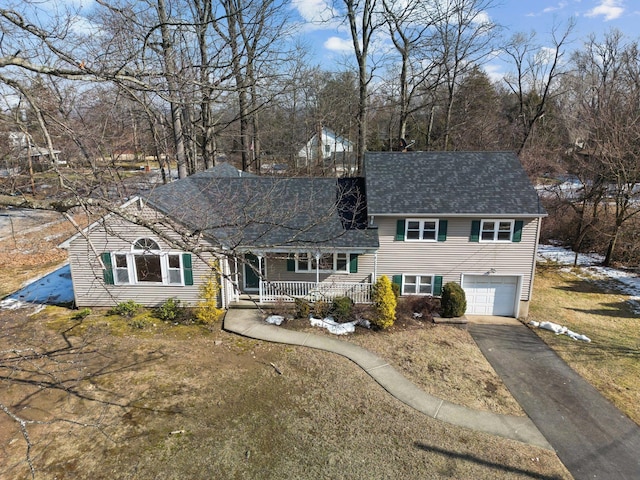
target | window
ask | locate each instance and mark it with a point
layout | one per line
(174, 269)
(146, 263)
(122, 270)
(421, 230)
(496, 230)
(327, 262)
(417, 285)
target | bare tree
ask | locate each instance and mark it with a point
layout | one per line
(364, 19)
(410, 28)
(534, 83)
(464, 38)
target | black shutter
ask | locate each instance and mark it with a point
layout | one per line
(475, 231)
(400, 227)
(107, 273)
(442, 230)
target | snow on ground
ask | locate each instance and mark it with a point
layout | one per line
(52, 289)
(627, 283)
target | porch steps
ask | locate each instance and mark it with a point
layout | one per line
(249, 303)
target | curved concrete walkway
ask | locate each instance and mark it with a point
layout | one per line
(249, 323)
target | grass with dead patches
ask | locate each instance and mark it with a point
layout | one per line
(611, 362)
(212, 405)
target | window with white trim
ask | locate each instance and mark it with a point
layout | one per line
(146, 263)
(421, 230)
(417, 284)
(496, 230)
(326, 262)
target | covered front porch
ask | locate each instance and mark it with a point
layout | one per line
(273, 277)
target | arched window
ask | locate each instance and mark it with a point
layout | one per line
(146, 244)
(147, 260)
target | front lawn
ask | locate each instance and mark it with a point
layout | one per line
(595, 308)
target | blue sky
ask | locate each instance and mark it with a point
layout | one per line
(331, 41)
(331, 44)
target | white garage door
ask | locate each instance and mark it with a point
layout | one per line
(491, 295)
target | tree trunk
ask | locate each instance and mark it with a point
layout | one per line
(171, 71)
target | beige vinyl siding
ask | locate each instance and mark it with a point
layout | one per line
(457, 255)
(117, 235)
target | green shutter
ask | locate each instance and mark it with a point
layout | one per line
(291, 263)
(187, 269)
(400, 226)
(353, 263)
(437, 285)
(397, 279)
(107, 273)
(475, 231)
(517, 231)
(442, 230)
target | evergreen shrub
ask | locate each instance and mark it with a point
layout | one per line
(453, 301)
(342, 309)
(169, 311)
(384, 303)
(302, 308)
(207, 311)
(125, 309)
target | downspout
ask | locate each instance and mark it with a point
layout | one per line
(236, 279)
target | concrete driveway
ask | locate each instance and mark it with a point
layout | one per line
(592, 438)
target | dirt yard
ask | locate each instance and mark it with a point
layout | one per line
(105, 397)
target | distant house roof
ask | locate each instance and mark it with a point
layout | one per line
(267, 212)
(226, 170)
(329, 138)
(451, 183)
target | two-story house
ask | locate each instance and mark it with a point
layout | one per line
(422, 219)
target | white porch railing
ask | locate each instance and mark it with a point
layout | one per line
(312, 291)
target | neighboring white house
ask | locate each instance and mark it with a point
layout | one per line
(23, 145)
(334, 148)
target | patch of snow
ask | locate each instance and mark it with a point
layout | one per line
(333, 326)
(560, 330)
(52, 289)
(363, 323)
(627, 283)
(275, 319)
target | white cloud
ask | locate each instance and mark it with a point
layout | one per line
(610, 9)
(545, 55)
(337, 44)
(482, 18)
(494, 71)
(314, 11)
(83, 26)
(560, 6)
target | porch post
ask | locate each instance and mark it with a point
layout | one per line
(375, 267)
(317, 268)
(224, 283)
(261, 288)
(236, 278)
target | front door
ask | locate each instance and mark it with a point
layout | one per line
(251, 268)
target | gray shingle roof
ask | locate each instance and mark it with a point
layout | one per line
(263, 212)
(224, 169)
(440, 183)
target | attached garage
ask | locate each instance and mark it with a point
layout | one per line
(492, 294)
